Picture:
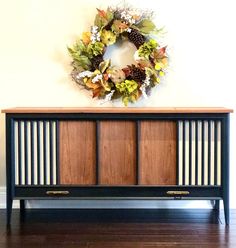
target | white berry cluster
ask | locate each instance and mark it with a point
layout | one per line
(97, 78)
(146, 83)
(84, 74)
(95, 35)
(127, 17)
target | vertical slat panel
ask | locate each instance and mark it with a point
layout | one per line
(198, 152)
(35, 152)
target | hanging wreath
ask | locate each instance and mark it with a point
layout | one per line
(109, 82)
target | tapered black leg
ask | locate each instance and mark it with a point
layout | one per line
(9, 210)
(217, 205)
(225, 166)
(226, 210)
(22, 210)
(22, 206)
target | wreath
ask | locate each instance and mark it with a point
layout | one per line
(109, 82)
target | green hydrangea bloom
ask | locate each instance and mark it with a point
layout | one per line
(147, 48)
(95, 48)
(127, 87)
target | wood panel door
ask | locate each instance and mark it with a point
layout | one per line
(157, 159)
(77, 151)
(117, 153)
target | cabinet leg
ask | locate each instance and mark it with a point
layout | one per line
(22, 210)
(9, 210)
(217, 205)
(226, 210)
(22, 206)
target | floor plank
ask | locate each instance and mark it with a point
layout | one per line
(126, 228)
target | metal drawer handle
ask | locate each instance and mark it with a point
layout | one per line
(52, 192)
(178, 192)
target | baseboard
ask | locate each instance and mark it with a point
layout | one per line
(103, 204)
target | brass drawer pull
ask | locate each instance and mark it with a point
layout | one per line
(55, 193)
(177, 192)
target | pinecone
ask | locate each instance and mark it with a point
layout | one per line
(137, 74)
(136, 38)
(96, 61)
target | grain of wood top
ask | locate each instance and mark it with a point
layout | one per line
(118, 110)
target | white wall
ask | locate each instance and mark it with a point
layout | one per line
(34, 64)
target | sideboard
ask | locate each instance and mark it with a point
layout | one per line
(117, 153)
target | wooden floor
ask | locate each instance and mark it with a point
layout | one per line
(117, 229)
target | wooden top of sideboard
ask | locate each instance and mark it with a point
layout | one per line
(118, 110)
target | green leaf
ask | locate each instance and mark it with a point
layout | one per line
(110, 15)
(105, 85)
(82, 60)
(125, 100)
(146, 26)
(79, 46)
(70, 50)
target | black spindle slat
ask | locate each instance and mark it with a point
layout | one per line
(203, 151)
(45, 152)
(215, 152)
(19, 154)
(38, 151)
(183, 152)
(177, 153)
(57, 153)
(32, 150)
(26, 152)
(190, 153)
(51, 150)
(209, 152)
(196, 153)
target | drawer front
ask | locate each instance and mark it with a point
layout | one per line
(122, 192)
